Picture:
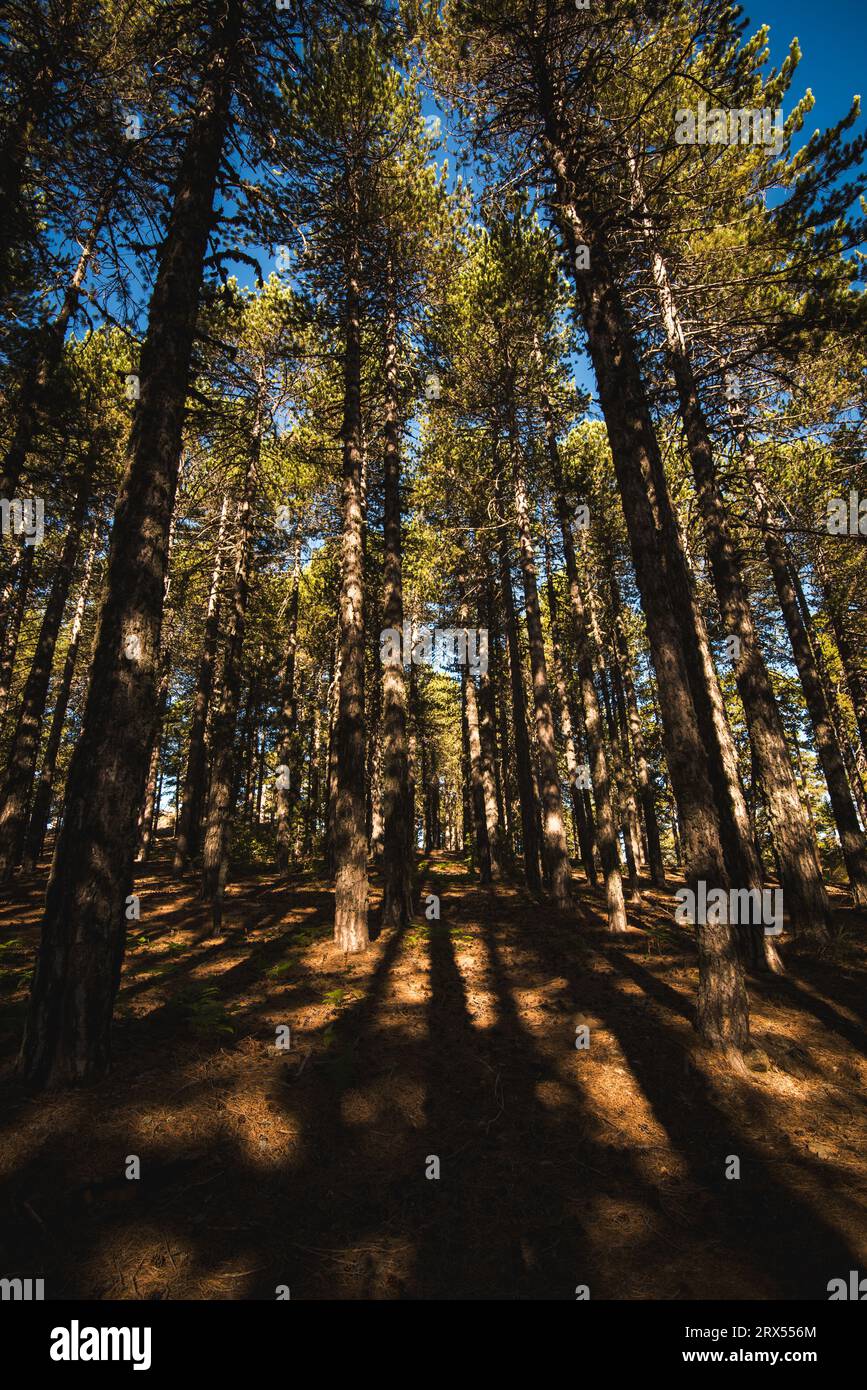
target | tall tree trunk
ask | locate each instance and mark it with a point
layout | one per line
(224, 763)
(555, 854)
(397, 842)
(493, 714)
(523, 765)
(42, 799)
(187, 838)
(645, 787)
(350, 832)
(582, 828)
(477, 791)
(22, 577)
(67, 1032)
(606, 832)
(287, 753)
(488, 742)
(852, 670)
(805, 894)
(150, 810)
(838, 719)
(852, 840)
(24, 749)
(331, 781)
(722, 1016)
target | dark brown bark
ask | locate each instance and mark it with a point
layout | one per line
(68, 1025)
(189, 818)
(606, 831)
(35, 838)
(583, 833)
(350, 832)
(21, 580)
(24, 749)
(224, 762)
(287, 753)
(722, 1016)
(523, 766)
(477, 792)
(397, 842)
(852, 670)
(806, 899)
(555, 854)
(852, 839)
(645, 787)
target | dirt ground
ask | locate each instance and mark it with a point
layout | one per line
(306, 1168)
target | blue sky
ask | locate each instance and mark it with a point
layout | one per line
(833, 37)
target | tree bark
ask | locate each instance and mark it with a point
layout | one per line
(397, 842)
(722, 1015)
(189, 819)
(645, 787)
(852, 839)
(23, 751)
(350, 831)
(35, 838)
(287, 753)
(67, 1032)
(523, 766)
(606, 830)
(555, 854)
(224, 765)
(804, 892)
(21, 585)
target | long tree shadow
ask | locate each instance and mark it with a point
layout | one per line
(762, 1222)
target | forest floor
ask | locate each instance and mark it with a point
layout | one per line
(559, 1167)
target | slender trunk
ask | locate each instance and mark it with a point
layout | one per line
(852, 670)
(187, 838)
(477, 792)
(224, 763)
(150, 806)
(488, 741)
(331, 782)
(42, 798)
(852, 839)
(645, 786)
(397, 842)
(606, 832)
(523, 765)
(723, 1011)
(21, 582)
(350, 838)
(493, 716)
(804, 891)
(23, 751)
(838, 720)
(555, 854)
(287, 753)
(582, 828)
